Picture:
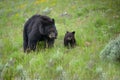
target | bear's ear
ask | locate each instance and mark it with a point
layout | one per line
(73, 32)
(53, 21)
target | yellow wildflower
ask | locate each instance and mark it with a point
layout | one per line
(22, 6)
(16, 15)
(39, 1)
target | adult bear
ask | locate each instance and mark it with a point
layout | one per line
(39, 28)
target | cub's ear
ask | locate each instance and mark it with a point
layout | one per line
(73, 32)
(53, 20)
(67, 31)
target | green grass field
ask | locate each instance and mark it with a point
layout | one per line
(95, 22)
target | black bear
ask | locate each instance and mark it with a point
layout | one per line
(39, 28)
(69, 39)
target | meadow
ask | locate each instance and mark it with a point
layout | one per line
(95, 22)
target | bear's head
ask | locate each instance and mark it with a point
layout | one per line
(48, 28)
(51, 30)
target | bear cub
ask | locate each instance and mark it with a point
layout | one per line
(69, 39)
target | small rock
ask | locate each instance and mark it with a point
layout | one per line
(65, 14)
(47, 11)
(87, 43)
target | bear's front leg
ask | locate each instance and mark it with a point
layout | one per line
(50, 43)
(45, 43)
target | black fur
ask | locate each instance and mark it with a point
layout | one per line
(69, 39)
(39, 28)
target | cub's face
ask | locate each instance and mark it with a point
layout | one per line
(69, 36)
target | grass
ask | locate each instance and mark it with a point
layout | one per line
(95, 23)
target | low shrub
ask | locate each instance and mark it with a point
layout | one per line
(112, 51)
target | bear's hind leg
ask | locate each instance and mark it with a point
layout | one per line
(32, 45)
(25, 45)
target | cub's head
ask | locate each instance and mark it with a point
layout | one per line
(69, 35)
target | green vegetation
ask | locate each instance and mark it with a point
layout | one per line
(96, 22)
(112, 51)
